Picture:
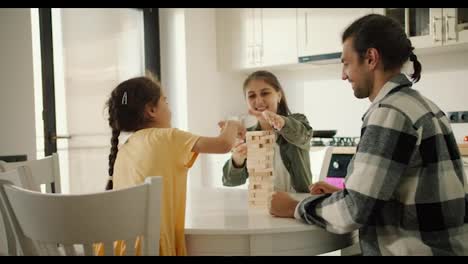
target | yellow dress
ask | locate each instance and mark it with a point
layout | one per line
(162, 152)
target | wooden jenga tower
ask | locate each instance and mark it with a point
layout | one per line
(260, 155)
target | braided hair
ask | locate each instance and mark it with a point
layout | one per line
(126, 107)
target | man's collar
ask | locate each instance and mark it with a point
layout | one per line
(396, 81)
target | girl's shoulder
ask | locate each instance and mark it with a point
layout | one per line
(155, 133)
(170, 134)
(299, 117)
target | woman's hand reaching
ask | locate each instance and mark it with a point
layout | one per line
(275, 120)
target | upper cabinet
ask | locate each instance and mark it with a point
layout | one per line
(279, 39)
(319, 29)
(432, 27)
(251, 38)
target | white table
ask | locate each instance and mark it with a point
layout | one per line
(219, 222)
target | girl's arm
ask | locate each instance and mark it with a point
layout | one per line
(224, 142)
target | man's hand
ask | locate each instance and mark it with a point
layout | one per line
(282, 205)
(276, 121)
(322, 187)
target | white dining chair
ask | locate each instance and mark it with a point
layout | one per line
(45, 171)
(8, 242)
(59, 224)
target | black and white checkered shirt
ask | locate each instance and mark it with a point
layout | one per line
(406, 189)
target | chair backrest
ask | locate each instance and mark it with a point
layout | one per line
(44, 171)
(43, 221)
(321, 160)
(19, 177)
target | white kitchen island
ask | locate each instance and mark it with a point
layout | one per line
(219, 222)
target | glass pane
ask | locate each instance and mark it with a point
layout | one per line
(94, 50)
(419, 22)
(396, 13)
(462, 18)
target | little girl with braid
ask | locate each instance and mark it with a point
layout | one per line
(138, 105)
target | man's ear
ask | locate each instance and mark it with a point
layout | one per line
(372, 58)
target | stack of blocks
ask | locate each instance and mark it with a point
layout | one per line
(260, 156)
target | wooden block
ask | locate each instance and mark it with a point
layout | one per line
(262, 140)
(260, 133)
(261, 180)
(260, 159)
(259, 196)
(259, 146)
(260, 186)
(260, 166)
(266, 174)
(269, 156)
(261, 192)
(255, 170)
(259, 152)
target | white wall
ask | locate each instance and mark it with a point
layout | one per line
(329, 102)
(173, 61)
(198, 93)
(17, 132)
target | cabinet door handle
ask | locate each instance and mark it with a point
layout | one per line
(447, 27)
(257, 54)
(251, 55)
(434, 31)
(306, 30)
(260, 47)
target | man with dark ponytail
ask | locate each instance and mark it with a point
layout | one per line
(406, 188)
(138, 105)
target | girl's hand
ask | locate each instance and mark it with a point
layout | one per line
(276, 121)
(241, 130)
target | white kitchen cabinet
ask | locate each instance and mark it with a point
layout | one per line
(320, 29)
(234, 38)
(432, 27)
(251, 38)
(456, 25)
(279, 36)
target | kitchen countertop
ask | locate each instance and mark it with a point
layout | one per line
(351, 150)
(463, 149)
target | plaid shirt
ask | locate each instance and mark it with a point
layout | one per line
(406, 188)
